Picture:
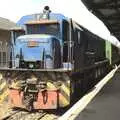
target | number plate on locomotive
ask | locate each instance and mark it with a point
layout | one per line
(32, 44)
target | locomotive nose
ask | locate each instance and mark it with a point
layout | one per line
(38, 52)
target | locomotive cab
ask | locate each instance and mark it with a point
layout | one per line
(40, 47)
(29, 48)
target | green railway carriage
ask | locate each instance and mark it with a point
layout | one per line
(112, 53)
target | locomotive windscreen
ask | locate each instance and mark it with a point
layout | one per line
(50, 29)
(32, 49)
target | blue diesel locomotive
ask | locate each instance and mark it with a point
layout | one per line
(53, 59)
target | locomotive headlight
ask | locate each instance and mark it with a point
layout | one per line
(31, 65)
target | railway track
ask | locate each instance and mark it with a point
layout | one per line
(25, 115)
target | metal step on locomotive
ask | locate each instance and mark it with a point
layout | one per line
(53, 59)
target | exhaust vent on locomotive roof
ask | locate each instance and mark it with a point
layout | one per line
(44, 15)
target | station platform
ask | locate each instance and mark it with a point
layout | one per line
(106, 104)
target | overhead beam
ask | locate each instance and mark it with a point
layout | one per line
(108, 11)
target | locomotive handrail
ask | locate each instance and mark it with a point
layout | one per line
(36, 70)
(101, 62)
(96, 64)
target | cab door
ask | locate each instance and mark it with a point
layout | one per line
(56, 53)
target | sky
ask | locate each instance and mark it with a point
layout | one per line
(15, 9)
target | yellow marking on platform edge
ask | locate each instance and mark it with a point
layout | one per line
(73, 112)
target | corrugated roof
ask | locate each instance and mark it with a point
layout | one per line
(108, 11)
(6, 24)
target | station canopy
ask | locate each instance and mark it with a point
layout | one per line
(108, 11)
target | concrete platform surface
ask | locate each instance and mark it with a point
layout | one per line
(106, 104)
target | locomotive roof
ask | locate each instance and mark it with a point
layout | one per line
(46, 21)
(32, 17)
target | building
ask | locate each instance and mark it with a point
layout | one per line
(5, 26)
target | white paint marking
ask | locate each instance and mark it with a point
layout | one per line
(73, 112)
